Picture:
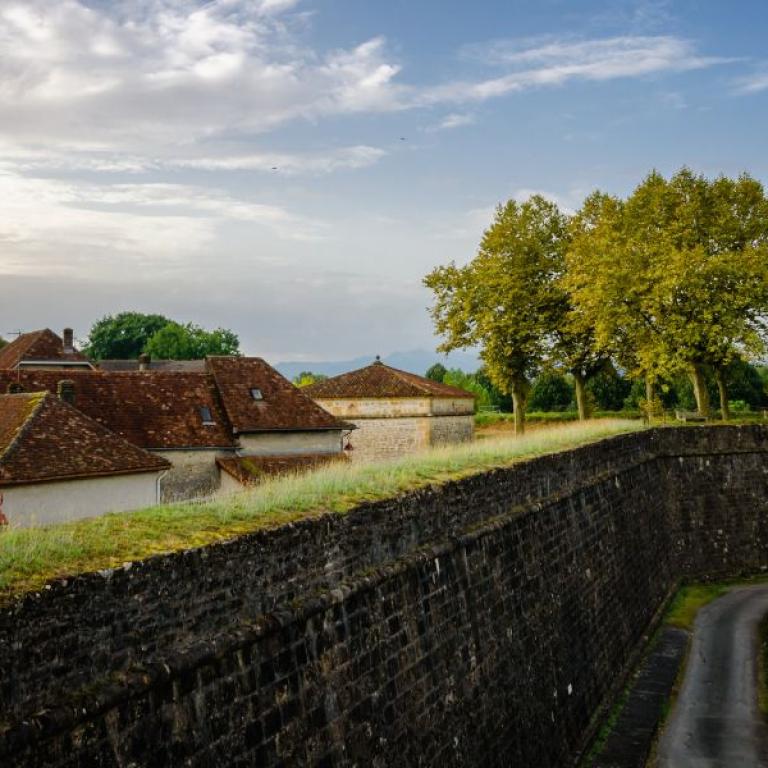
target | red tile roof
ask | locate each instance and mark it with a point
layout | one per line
(43, 439)
(283, 407)
(379, 380)
(37, 345)
(154, 410)
(249, 470)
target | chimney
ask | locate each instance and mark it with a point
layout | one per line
(66, 391)
(144, 361)
(69, 341)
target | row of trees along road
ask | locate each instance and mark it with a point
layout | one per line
(672, 279)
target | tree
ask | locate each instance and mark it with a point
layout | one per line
(505, 299)
(436, 372)
(675, 278)
(550, 392)
(455, 377)
(305, 378)
(124, 336)
(175, 341)
(608, 389)
(3, 342)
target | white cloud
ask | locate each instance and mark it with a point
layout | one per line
(754, 83)
(287, 163)
(557, 62)
(453, 120)
(51, 226)
(144, 78)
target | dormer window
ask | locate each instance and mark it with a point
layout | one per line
(206, 416)
(257, 394)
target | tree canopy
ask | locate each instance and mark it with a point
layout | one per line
(128, 334)
(305, 378)
(505, 300)
(672, 280)
(175, 341)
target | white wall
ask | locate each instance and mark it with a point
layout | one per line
(281, 443)
(395, 407)
(44, 503)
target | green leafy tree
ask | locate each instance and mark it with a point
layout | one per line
(436, 372)
(123, 336)
(305, 378)
(3, 342)
(455, 377)
(609, 389)
(505, 300)
(498, 399)
(551, 391)
(676, 278)
(175, 341)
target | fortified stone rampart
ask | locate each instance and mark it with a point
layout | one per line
(482, 622)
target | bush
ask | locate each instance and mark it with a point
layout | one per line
(551, 392)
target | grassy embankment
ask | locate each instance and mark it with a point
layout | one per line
(31, 556)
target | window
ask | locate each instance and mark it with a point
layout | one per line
(205, 415)
(257, 394)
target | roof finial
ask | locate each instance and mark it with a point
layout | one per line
(378, 360)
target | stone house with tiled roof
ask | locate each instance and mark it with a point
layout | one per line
(58, 464)
(395, 412)
(43, 350)
(232, 408)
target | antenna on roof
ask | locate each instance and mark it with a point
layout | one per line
(15, 333)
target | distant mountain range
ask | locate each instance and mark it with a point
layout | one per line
(415, 361)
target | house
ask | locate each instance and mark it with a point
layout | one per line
(234, 407)
(43, 350)
(395, 412)
(57, 464)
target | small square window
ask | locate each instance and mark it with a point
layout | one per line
(205, 415)
(257, 394)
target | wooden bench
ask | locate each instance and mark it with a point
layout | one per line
(686, 416)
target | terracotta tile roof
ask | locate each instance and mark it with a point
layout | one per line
(249, 470)
(282, 407)
(154, 410)
(37, 345)
(379, 380)
(43, 438)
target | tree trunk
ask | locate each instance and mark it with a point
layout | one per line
(722, 390)
(700, 391)
(519, 404)
(650, 394)
(581, 396)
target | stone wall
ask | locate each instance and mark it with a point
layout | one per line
(194, 474)
(445, 430)
(479, 623)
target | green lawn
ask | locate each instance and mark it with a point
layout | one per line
(31, 556)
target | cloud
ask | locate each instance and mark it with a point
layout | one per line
(292, 164)
(146, 78)
(52, 226)
(453, 120)
(557, 62)
(754, 83)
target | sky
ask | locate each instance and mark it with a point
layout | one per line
(291, 169)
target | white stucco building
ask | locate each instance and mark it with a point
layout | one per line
(56, 464)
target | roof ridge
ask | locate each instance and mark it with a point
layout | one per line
(40, 397)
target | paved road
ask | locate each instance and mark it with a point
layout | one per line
(716, 722)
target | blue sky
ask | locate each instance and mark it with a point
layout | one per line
(290, 169)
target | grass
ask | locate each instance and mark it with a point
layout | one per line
(29, 557)
(490, 418)
(689, 599)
